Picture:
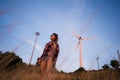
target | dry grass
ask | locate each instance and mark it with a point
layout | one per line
(95, 75)
(12, 68)
(33, 73)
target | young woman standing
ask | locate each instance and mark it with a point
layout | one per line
(48, 59)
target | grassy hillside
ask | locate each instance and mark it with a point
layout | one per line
(12, 68)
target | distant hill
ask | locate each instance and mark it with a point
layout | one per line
(13, 68)
(9, 61)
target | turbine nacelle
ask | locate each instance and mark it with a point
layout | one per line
(80, 38)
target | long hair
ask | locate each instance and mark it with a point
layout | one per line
(56, 36)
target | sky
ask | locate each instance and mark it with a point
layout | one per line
(20, 19)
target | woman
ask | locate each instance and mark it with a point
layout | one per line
(49, 57)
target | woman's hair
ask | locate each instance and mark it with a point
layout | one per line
(56, 36)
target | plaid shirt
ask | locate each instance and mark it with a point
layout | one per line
(49, 47)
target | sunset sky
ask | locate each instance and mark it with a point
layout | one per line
(20, 19)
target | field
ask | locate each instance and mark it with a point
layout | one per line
(27, 72)
(12, 68)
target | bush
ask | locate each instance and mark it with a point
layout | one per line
(114, 64)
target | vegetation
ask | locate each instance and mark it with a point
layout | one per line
(114, 64)
(106, 67)
(12, 68)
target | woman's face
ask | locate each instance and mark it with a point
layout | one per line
(52, 37)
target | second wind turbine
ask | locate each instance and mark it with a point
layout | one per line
(80, 45)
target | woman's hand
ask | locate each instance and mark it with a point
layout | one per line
(55, 45)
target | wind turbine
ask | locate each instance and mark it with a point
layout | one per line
(97, 62)
(80, 45)
(118, 55)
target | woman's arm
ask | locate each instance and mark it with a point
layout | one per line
(57, 50)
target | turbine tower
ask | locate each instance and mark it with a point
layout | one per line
(118, 55)
(37, 34)
(98, 62)
(80, 45)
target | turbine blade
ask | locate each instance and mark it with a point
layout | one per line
(77, 45)
(75, 34)
(88, 38)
